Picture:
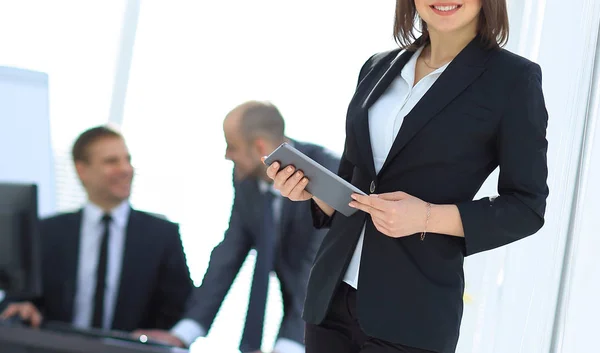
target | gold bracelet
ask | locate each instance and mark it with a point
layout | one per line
(428, 205)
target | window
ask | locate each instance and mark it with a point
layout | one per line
(75, 43)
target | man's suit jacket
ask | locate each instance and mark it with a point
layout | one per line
(485, 110)
(154, 283)
(295, 249)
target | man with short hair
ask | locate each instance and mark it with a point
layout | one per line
(281, 231)
(107, 265)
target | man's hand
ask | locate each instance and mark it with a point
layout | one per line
(160, 336)
(26, 311)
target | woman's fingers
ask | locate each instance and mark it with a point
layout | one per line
(299, 193)
(289, 181)
(282, 176)
(272, 170)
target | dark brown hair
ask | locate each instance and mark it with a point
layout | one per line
(492, 24)
(88, 137)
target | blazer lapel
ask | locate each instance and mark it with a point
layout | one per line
(133, 258)
(72, 236)
(466, 67)
(391, 72)
(377, 86)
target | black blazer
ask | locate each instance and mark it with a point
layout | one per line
(297, 244)
(155, 280)
(485, 110)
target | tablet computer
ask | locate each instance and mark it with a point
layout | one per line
(322, 183)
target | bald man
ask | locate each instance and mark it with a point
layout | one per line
(279, 230)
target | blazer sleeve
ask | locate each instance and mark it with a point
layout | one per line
(175, 284)
(522, 147)
(224, 264)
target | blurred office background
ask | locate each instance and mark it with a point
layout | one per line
(168, 72)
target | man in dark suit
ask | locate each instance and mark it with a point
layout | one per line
(108, 266)
(281, 232)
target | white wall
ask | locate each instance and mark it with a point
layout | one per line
(76, 43)
(579, 309)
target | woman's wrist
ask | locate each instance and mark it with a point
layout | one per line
(328, 210)
(427, 217)
(445, 219)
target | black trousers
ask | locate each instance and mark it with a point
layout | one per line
(341, 333)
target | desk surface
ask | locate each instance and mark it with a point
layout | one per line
(28, 340)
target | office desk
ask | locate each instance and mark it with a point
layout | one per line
(27, 340)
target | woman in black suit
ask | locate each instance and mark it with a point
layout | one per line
(427, 125)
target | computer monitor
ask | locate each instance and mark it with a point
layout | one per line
(20, 250)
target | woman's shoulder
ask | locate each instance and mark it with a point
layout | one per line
(384, 56)
(507, 60)
(378, 59)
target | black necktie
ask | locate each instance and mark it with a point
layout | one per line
(264, 243)
(98, 318)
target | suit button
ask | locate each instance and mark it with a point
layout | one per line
(372, 187)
